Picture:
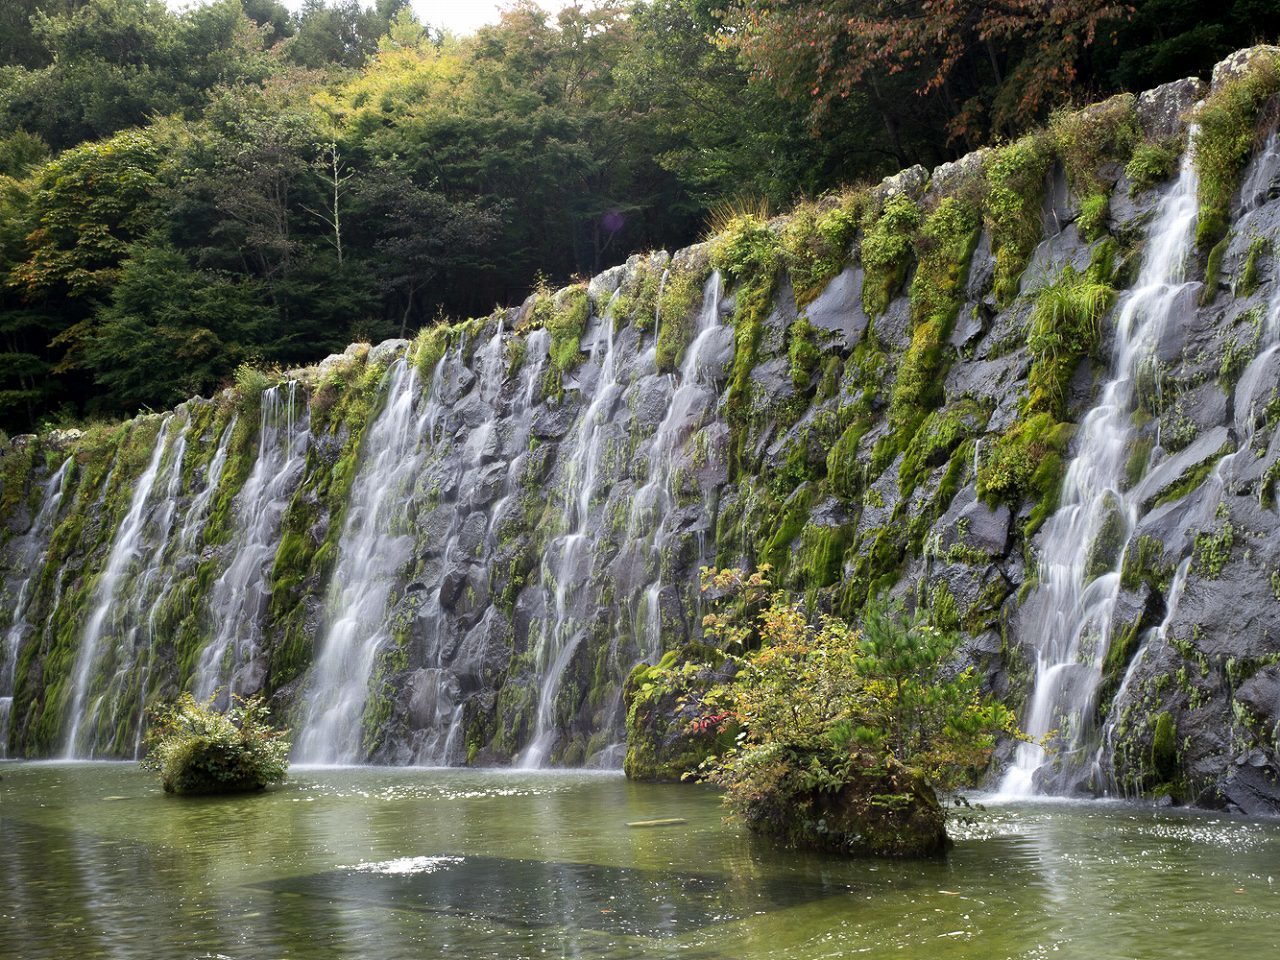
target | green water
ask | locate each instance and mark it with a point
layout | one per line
(380, 864)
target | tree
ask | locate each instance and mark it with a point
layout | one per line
(105, 65)
(843, 724)
(341, 32)
(171, 332)
(421, 236)
(997, 63)
(86, 207)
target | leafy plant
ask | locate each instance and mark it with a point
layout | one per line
(830, 705)
(1152, 162)
(1225, 139)
(198, 749)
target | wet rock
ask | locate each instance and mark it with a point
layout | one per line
(1207, 447)
(838, 309)
(971, 525)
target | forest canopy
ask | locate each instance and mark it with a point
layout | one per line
(183, 192)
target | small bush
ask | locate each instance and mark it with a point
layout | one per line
(1225, 140)
(1015, 181)
(197, 749)
(886, 251)
(846, 731)
(1152, 162)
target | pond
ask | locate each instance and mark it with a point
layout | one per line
(381, 864)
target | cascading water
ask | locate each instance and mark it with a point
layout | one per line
(690, 405)
(1075, 610)
(109, 620)
(31, 557)
(376, 543)
(567, 559)
(436, 687)
(231, 660)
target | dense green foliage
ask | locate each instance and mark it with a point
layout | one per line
(180, 192)
(198, 749)
(869, 715)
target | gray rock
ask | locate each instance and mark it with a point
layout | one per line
(1162, 112)
(387, 351)
(1166, 474)
(970, 523)
(838, 309)
(1238, 63)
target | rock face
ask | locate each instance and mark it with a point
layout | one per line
(668, 733)
(574, 461)
(888, 812)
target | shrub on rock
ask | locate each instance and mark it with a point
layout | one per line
(846, 730)
(198, 749)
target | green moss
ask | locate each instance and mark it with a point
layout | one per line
(1027, 461)
(681, 297)
(817, 241)
(1194, 478)
(786, 528)
(564, 316)
(1225, 139)
(17, 463)
(1015, 178)
(1213, 548)
(1120, 651)
(1144, 563)
(803, 353)
(304, 560)
(943, 248)
(1104, 551)
(887, 239)
(1248, 282)
(820, 557)
(748, 253)
(1136, 464)
(429, 347)
(517, 353)
(1164, 749)
(938, 437)
(636, 301)
(1213, 269)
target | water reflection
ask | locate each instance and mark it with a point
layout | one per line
(358, 863)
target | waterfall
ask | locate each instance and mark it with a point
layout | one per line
(375, 545)
(241, 594)
(31, 557)
(436, 685)
(567, 560)
(110, 617)
(692, 400)
(1075, 612)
